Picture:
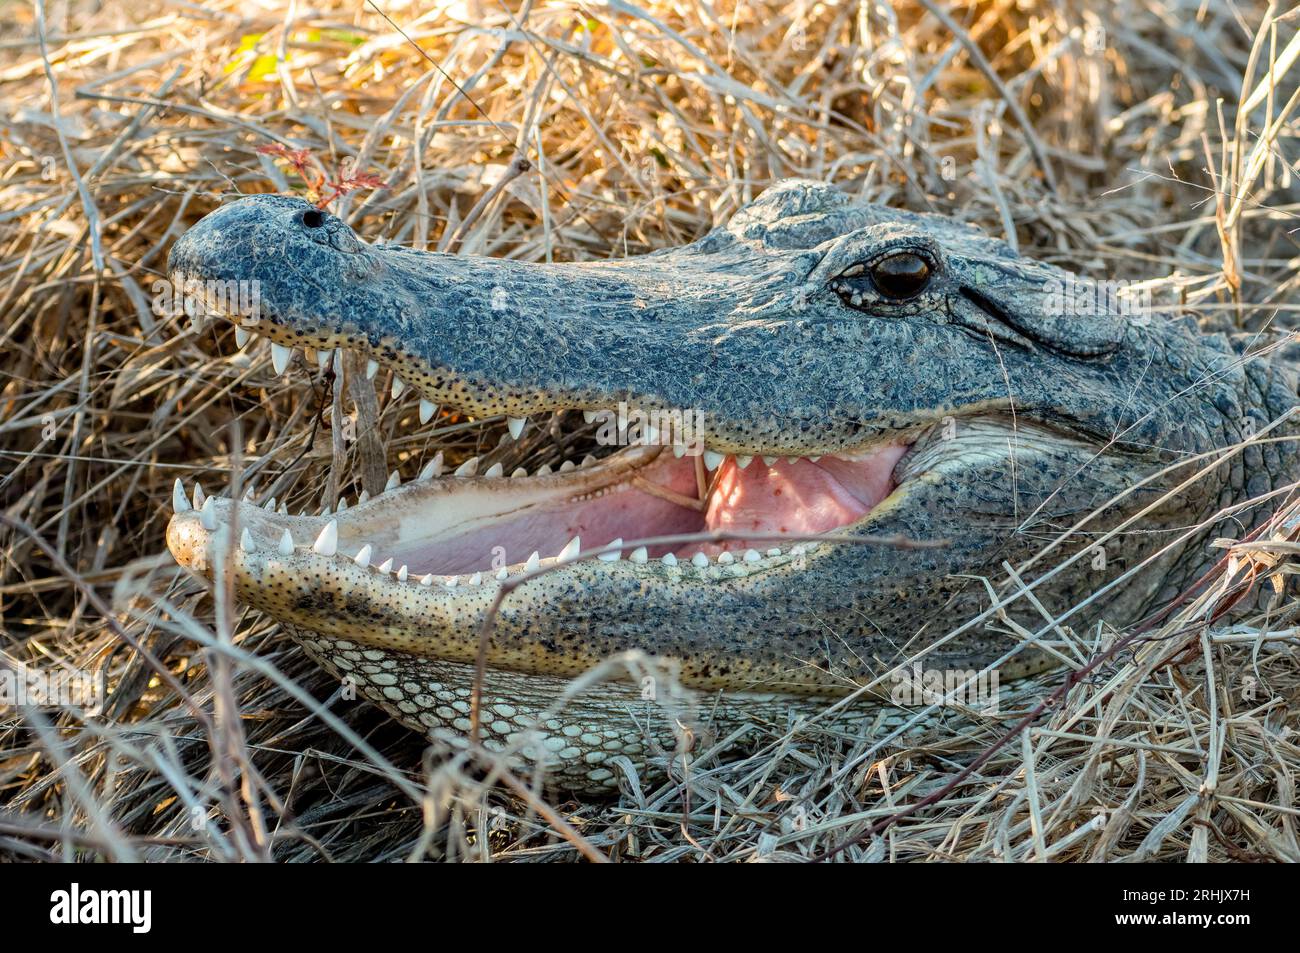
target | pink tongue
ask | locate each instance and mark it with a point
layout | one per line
(802, 498)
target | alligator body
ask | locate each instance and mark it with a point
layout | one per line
(815, 368)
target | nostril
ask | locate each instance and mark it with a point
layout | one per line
(313, 218)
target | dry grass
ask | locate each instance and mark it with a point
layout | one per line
(1112, 145)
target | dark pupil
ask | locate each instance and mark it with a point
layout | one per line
(901, 276)
(313, 218)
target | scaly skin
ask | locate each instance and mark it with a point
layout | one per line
(1018, 422)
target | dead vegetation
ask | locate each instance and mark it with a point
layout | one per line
(1142, 139)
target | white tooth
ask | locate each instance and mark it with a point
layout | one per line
(431, 469)
(426, 580)
(588, 460)
(713, 459)
(639, 555)
(199, 495)
(791, 460)
(283, 509)
(324, 512)
(679, 450)
(519, 472)
(398, 387)
(246, 541)
(362, 558)
(363, 496)
(669, 559)
(208, 515)
(343, 503)
(752, 556)
(726, 559)
(402, 573)
(241, 336)
(468, 468)
(503, 573)
(324, 357)
(179, 503)
(774, 551)
(427, 409)
(475, 579)
(699, 560)
(567, 465)
(589, 415)
(570, 550)
(269, 505)
(386, 566)
(286, 544)
(248, 494)
(495, 470)
(534, 562)
(544, 470)
(516, 425)
(372, 368)
(770, 460)
(326, 544)
(451, 581)
(814, 459)
(797, 550)
(743, 462)
(280, 357)
(616, 554)
(394, 481)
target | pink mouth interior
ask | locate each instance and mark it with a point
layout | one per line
(762, 502)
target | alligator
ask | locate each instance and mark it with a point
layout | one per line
(833, 427)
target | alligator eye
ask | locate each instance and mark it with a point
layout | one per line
(313, 218)
(900, 276)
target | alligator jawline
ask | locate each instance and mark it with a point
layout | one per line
(489, 525)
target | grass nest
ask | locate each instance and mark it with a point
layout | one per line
(1143, 140)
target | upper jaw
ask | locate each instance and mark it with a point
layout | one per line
(725, 335)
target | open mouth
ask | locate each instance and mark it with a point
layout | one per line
(618, 506)
(473, 522)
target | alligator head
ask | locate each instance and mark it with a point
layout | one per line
(817, 367)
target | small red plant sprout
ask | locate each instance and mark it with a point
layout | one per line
(322, 189)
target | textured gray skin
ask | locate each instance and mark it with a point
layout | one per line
(747, 326)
